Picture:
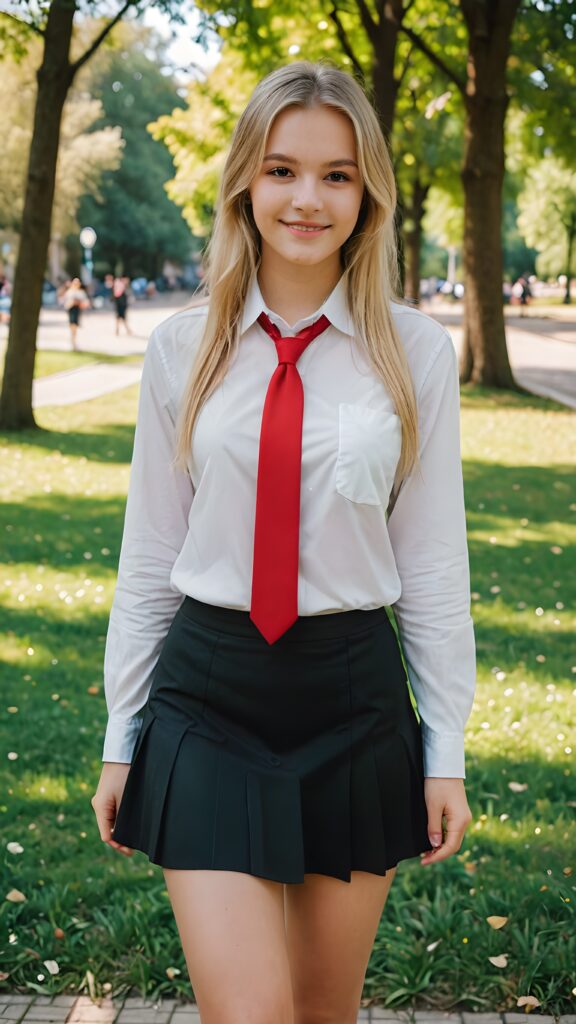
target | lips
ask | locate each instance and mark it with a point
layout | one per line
(303, 227)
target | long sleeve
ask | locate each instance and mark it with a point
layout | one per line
(155, 526)
(427, 530)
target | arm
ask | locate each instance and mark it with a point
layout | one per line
(155, 526)
(427, 529)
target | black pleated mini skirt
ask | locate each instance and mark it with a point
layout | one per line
(277, 760)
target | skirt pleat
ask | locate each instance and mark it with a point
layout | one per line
(277, 760)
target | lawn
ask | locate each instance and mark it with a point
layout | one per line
(78, 916)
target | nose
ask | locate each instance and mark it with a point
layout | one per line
(306, 194)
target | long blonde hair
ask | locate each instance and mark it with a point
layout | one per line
(369, 256)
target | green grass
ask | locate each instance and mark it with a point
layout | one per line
(91, 910)
(55, 361)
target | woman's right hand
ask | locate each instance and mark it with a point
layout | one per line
(106, 801)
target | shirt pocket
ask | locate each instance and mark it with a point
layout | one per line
(369, 446)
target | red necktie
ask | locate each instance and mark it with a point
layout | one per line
(274, 603)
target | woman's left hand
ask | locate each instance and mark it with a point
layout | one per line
(445, 798)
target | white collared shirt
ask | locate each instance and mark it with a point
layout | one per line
(192, 533)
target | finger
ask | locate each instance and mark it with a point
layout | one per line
(120, 846)
(126, 850)
(105, 822)
(452, 843)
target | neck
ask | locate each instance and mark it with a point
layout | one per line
(294, 291)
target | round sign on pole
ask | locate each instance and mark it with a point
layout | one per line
(88, 238)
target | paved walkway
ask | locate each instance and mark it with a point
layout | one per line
(542, 350)
(74, 1010)
(86, 382)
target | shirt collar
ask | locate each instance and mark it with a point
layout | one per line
(335, 307)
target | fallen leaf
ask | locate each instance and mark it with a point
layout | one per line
(496, 922)
(527, 1001)
(432, 945)
(518, 787)
(15, 896)
(499, 961)
(51, 966)
(91, 987)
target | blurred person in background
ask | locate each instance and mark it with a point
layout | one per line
(120, 295)
(74, 300)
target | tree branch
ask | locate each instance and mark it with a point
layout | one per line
(400, 78)
(102, 36)
(370, 26)
(23, 24)
(346, 44)
(434, 59)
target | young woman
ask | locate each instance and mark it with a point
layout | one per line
(296, 472)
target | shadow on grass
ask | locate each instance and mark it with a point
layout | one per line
(91, 444)
(475, 396)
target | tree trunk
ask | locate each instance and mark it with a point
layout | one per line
(483, 175)
(413, 240)
(485, 356)
(384, 84)
(385, 91)
(54, 78)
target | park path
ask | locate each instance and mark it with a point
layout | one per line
(542, 350)
(81, 1010)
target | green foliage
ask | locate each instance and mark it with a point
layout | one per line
(547, 217)
(542, 77)
(198, 138)
(138, 226)
(85, 151)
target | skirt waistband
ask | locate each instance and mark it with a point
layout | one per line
(306, 627)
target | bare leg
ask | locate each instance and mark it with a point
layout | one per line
(331, 926)
(231, 926)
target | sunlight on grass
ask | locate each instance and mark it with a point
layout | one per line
(41, 787)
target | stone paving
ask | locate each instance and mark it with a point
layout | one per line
(81, 1010)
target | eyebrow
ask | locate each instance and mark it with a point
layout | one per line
(330, 163)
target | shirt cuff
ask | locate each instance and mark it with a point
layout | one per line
(120, 739)
(443, 754)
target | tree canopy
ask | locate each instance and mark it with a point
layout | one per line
(137, 224)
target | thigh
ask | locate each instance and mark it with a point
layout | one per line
(330, 930)
(231, 926)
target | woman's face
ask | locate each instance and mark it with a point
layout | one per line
(309, 178)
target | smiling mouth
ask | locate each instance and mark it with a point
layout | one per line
(305, 228)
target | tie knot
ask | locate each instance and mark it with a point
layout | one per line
(290, 349)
